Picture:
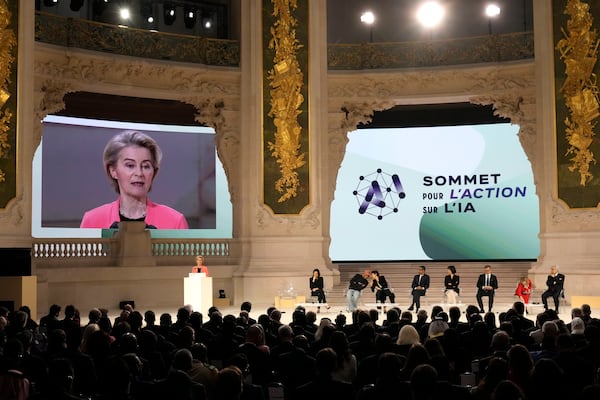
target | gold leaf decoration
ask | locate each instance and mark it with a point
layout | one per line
(286, 81)
(7, 41)
(579, 52)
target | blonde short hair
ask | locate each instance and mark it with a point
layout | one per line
(113, 148)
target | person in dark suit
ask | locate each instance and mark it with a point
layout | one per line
(451, 283)
(316, 287)
(381, 288)
(487, 283)
(555, 283)
(420, 284)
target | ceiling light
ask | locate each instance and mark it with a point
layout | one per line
(367, 18)
(169, 13)
(492, 10)
(50, 3)
(430, 14)
(189, 17)
(146, 11)
(124, 13)
(207, 19)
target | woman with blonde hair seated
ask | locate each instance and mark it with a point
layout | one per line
(523, 291)
(407, 337)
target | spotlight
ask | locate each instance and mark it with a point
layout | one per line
(430, 14)
(76, 5)
(146, 11)
(50, 3)
(492, 10)
(169, 13)
(207, 19)
(124, 13)
(367, 18)
(189, 17)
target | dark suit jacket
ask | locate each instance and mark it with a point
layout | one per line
(381, 285)
(555, 283)
(424, 282)
(316, 284)
(452, 282)
(481, 282)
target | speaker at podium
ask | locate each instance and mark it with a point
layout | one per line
(197, 291)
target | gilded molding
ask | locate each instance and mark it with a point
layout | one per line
(8, 40)
(579, 52)
(286, 85)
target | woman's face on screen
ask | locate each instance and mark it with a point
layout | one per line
(134, 171)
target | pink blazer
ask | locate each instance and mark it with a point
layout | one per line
(157, 215)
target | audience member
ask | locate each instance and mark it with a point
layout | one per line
(376, 356)
(323, 386)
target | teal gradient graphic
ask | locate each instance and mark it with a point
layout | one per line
(453, 208)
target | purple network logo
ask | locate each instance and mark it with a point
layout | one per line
(379, 194)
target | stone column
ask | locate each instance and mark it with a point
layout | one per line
(280, 249)
(569, 236)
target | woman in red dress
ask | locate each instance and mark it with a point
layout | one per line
(523, 290)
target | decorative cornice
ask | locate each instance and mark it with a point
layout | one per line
(577, 219)
(49, 99)
(95, 70)
(520, 110)
(308, 220)
(401, 85)
(13, 213)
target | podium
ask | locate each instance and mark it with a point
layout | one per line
(197, 291)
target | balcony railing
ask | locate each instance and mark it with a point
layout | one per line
(431, 53)
(85, 34)
(102, 250)
(90, 35)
